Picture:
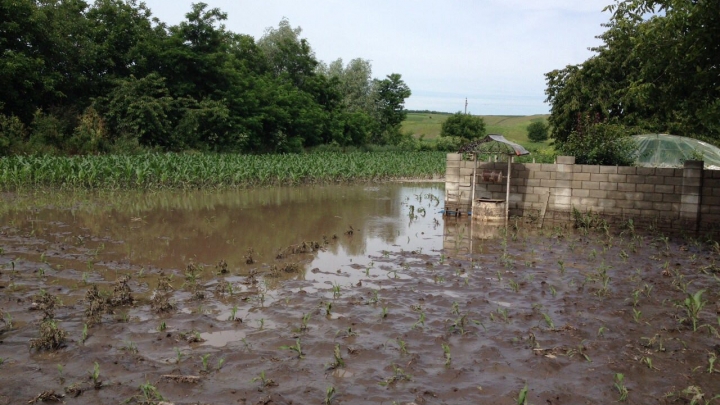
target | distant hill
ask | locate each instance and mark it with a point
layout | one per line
(513, 127)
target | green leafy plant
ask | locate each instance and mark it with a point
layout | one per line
(692, 305)
(522, 396)
(295, 348)
(619, 380)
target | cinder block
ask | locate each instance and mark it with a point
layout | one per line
(690, 199)
(661, 188)
(604, 185)
(692, 181)
(654, 180)
(563, 183)
(548, 167)
(452, 178)
(645, 188)
(624, 204)
(617, 178)
(580, 192)
(591, 185)
(561, 200)
(646, 171)
(711, 201)
(689, 190)
(466, 171)
(616, 195)
(562, 191)
(626, 187)
(661, 206)
(547, 183)
(540, 175)
(665, 171)
(643, 205)
(533, 182)
(542, 191)
(568, 160)
(588, 202)
(636, 179)
(453, 163)
(532, 167)
(582, 176)
(609, 169)
(576, 184)
(598, 194)
(590, 168)
(606, 203)
(627, 170)
(674, 181)
(692, 173)
(671, 198)
(454, 156)
(599, 177)
(564, 176)
(654, 197)
(635, 196)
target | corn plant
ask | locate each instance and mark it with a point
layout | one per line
(619, 379)
(522, 396)
(692, 305)
(295, 348)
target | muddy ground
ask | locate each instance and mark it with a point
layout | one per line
(559, 312)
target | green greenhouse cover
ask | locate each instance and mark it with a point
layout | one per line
(663, 150)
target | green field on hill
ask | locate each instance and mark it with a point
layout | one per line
(513, 127)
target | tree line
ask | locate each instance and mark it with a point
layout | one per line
(78, 78)
(656, 71)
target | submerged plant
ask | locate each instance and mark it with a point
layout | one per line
(295, 348)
(522, 396)
(619, 379)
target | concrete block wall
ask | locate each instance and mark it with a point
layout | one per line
(686, 198)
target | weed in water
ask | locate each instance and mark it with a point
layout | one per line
(420, 321)
(384, 312)
(304, 322)
(178, 355)
(619, 379)
(553, 291)
(162, 326)
(601, 331)
(514, 285)
(548, 321)
(402, 346)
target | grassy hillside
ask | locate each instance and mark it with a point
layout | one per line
(513, 127)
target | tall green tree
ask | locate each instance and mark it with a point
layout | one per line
(390, 95)
(657, 70)
(464, 126)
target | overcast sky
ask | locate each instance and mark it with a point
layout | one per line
(494, 52)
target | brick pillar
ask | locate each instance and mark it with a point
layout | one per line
(563, 183)
(691, 192)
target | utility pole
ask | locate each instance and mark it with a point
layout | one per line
(465, 105)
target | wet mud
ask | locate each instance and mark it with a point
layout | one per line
(345, 295)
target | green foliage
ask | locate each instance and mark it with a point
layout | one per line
(599, 143)
(652, 72)
(80, 78)
(154, 171)
(537, 131)
(465, 126)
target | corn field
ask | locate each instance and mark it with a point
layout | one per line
(157, 171)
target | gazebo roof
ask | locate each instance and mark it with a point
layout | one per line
(494, 145)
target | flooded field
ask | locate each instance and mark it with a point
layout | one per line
(344, 295)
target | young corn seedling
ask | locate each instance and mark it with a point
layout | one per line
(637, 315)
(233, 313)
(205, 359)
(619, 379)
(264, 381)
(548, 321)
(522, 396)
(295, 348)
(446, 352)
(398, 375)
(420, 321)
(402, 346)
(712, 358)
(692, 305)
(514, 285)
(150, 393)
(337, 359)
(95, 375)
(330, 393)
(383, 312)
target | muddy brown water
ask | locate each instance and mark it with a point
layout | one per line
(422, 308)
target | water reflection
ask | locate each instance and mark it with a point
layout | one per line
(169, 229)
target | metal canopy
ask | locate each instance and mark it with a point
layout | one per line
(494, 145)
